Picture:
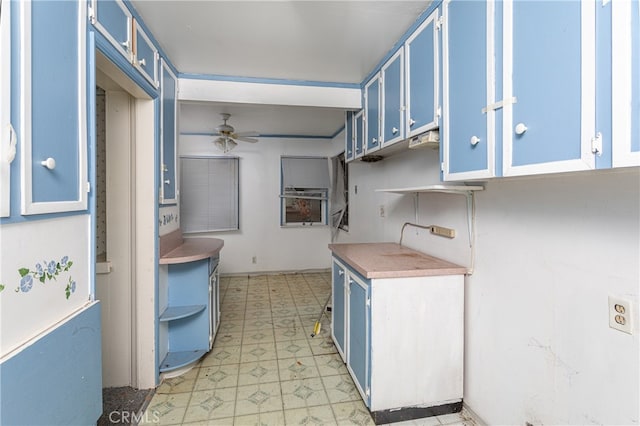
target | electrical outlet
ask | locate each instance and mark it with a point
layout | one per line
(254, 259)
(443, 232)
(381, 210)
(620, 315)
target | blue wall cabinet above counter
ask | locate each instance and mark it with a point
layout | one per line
(53, 105)
(114, 21)
(548, 81)
(145, 55)
(468, 85)
(422, 77)
(625, 83)
(358, 131)
(392, 99)
(168, 131)
(372, 114)
(349, 138)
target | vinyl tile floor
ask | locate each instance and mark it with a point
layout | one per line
(265, 368)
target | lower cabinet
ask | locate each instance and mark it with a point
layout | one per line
(402, 340)
(190, 320)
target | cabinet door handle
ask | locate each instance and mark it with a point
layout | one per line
(49, 163)
(142, 62)
(374, 141)
(474, 140)
(411, 122)
(125, 44)
(520, 128)
(341, 272)
(394, 130)
(167, 182)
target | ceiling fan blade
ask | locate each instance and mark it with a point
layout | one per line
(246, 139)
(249, 133)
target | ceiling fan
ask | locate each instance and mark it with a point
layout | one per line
(227, 136)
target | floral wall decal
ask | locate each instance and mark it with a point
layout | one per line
(43, 272)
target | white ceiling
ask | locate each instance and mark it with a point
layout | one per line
(326, 41)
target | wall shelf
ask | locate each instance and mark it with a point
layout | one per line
(448, 189)
(179, 312)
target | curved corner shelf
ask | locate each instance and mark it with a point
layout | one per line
(175, 360)
(179, 312)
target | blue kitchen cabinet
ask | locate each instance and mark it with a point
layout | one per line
(358, 134)
(359, 345)
(338, 321)
(548, 79)
(114, 21)
(392, 99)
(168, 131)
(145, 55)
(422, 77)
(468, 132)
(348, 136)
(625, 83)
(372, 114)
(53, 140)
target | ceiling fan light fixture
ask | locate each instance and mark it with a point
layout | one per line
(231, 144)
(219, 143)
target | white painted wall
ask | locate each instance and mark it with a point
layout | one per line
(549, 251)
(260, 234)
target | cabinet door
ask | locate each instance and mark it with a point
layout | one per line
(348, 136)
(372, 114)
(392, 99)
(338, 308)
(422, 77)
(358, 354)
(168, 187)
(468, 86)
(113, 20)
(359, 135)
(53, 107)
(549, 86)
(146, 56)
(625, 83)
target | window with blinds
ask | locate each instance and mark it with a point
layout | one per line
(209, 194)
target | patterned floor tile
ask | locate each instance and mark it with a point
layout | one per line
(231, 326)
(330, 365)
(297, 333)
(167, 409)
(211, 404)
(297, 368)
(258, 352)
(310, 416)
(293, 349)
(253, 373)
(228, 338)
(352, 413)
(216, 377)
(264, 335)
(260, 398)
(179, 384)
(258, 324)
(261, 419)
(322, 345)
(340, 388)
(303, 393)
(222, 356)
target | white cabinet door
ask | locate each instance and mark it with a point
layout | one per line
(625, 83)
(548, 86)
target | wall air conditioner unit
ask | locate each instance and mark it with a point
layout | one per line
(430, 139)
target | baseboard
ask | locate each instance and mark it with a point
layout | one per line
(412, 413)
(468, 413)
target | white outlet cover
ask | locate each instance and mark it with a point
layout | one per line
(627, 327)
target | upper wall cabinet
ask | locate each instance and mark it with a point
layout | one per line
(372, 114)
(422, 77)
(348, 136)
(545, 97)
(145, 55)
(468, 86)
(53, 140)
(114, 21)
(392, 99)
(168, 130)
(358, 134)
(625, 83)
(548, 81)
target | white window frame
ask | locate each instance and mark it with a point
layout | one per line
(185, 196)
(302, 194)
(7, 135)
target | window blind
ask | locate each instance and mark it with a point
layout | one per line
(209, 194)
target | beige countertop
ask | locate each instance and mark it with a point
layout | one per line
(192, 249)
(391, 260)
